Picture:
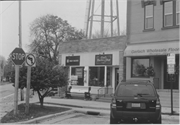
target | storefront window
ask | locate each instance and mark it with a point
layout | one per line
(79, 72)
(96, 76)
(139, 66)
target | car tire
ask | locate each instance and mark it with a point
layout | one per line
(113, 120)
(159, 121)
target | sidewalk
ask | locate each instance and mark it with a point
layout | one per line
(78, 103)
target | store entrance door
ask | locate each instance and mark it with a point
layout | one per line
(116, 77)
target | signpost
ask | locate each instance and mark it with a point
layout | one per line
(171, 71)
(30, 62)
(18, 58)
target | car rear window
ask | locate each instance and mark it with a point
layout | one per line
(135, 90)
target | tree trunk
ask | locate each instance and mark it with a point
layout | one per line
(41, 99)
(22, 94)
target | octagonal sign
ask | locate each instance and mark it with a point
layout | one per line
(18, 56)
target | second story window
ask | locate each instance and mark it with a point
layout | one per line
(170, 13)
(177, 12)
(149, 21)
(148, 6)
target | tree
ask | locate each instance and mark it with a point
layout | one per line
(44, 77)
(48, 32)
(8, 68)
(107, 33)
(2, 64)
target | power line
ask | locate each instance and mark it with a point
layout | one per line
(7, 7)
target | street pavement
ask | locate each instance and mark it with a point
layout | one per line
(89, 107)
(77, 104)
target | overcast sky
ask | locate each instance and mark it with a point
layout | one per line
(71, 10)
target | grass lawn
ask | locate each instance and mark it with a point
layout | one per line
(34, 111)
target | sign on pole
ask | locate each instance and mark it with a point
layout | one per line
(30, 62)
(171, 58)
(18, 56)
(171, 71)
(171, 63)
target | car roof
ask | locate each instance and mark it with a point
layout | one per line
(136, 82)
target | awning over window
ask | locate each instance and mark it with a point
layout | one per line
(148, 49)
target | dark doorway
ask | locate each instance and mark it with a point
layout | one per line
(116, 77)
(167, 84)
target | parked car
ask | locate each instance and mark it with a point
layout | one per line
(135, 101)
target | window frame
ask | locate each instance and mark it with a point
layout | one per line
(176, 13)
(97, 76)
(174, 25)
(145, 3)
(148, 29)
(73, 72)
(132, 66)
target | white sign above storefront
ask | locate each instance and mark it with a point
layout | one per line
(152, 49)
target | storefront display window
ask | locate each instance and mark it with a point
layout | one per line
(139, 66)
(96, 76)
(79, 72)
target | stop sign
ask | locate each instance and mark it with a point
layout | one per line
(18, 56)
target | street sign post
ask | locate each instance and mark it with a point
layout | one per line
(18, 58)
(30, 62)
(171, 71)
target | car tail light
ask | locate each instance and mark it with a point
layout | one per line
(113, 102)
(158, 104)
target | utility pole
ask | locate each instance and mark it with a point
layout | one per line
(20, 43)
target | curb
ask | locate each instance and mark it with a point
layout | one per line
(89, 112)
(75, 106)
(40, 119)
(37, 120)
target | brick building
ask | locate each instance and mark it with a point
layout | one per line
(94, 62)
(152, 34)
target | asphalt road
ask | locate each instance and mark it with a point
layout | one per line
(83, 118)
(7, 103)
(78, 118)
(6, 98)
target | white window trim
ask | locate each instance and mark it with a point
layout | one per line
(145, 21)
(149, 16)
(177, 18)
(165, 19)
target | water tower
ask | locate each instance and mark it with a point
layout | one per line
(108, 13)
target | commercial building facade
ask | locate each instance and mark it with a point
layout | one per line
(152, 34)
(94, 62)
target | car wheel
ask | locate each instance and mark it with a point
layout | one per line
(159, 121)
(113, 120)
